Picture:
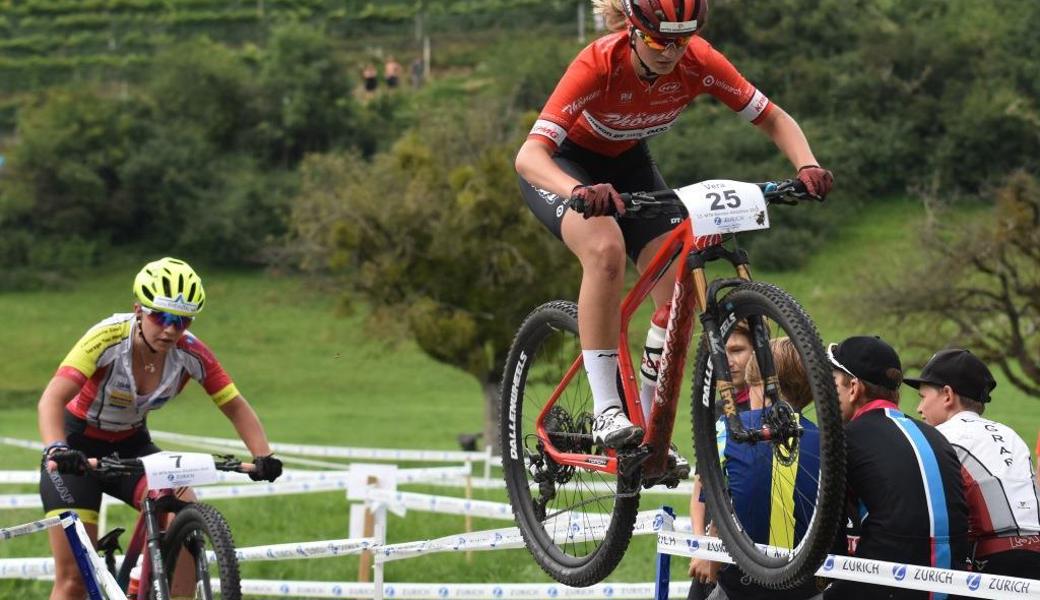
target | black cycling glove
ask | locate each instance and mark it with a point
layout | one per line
(69, 461)
(268, 468)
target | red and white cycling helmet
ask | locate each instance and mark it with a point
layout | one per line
(667, 18)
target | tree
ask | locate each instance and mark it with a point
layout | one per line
(976, 285)
(434, 237)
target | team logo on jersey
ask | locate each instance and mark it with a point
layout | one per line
(668, 88)
(580, 103)
(625, 97)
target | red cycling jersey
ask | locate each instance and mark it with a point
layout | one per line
(602, 105)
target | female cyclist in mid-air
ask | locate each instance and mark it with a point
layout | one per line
(588, 143)
(97, 403)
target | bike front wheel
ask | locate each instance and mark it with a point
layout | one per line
(197, 531)
(778, 501)
(575, 523)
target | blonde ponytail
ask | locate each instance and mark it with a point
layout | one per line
(612, 13)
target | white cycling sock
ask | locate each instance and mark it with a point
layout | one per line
(601, 366)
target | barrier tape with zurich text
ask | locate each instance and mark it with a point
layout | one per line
(849, 568)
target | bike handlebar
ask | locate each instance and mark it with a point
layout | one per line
(114, 465)
(787, 191)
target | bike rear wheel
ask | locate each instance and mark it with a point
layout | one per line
(796, 510)
(196, 530)
(573, 521)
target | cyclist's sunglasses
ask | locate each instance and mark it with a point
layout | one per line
(165, 319)
(661, 44)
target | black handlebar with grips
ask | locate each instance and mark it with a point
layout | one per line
(651, 204)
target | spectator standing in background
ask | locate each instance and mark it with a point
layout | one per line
(417, 72)
(392, 72)
(370, 77)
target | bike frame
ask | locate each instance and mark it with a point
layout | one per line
(147, 537)
(689, 295)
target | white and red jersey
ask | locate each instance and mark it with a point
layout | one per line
(603, 105)
(109, 400)
(1001, 490)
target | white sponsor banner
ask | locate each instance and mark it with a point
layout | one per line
(19, 443)
(400, 502)
(175, 469)
(18, 501)
(447, 591)
(254, 490)
(300, 550)
(338, 451)
(26, 568)
(850, 568)
(7, 533)
(19, 477)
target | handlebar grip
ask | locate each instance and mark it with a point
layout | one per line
(577, 204)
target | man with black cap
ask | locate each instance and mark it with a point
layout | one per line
(1000, 487)
(904, 480)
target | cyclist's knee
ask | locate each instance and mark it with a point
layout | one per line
(605, 258)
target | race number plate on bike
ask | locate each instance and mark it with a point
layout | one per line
(724, 206)
(174, 469)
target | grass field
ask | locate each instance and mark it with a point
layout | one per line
(318, 377)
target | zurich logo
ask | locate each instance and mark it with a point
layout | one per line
(974, 581)
(284, 589)
(389, 591)
(443, 592)
(828, 564)
(693, 544)
(497, 592)
(899, 572)
(553, 592)
(718, 220)
(658, 522)
(608, 591)
(337, 590)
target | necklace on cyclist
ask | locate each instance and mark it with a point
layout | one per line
(149, 366)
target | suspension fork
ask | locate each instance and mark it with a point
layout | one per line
(156, 571)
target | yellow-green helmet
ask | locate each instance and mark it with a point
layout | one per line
(170, 285)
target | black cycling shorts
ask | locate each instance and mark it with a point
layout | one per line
(82, 493)
(631, 171)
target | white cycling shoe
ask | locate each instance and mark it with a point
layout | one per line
(612, 429)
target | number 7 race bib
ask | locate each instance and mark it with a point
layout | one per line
(724, 206)
(175, 469)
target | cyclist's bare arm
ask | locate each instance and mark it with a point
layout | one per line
(535, 164)
(51, 408)
(788, 137)
(247, 424)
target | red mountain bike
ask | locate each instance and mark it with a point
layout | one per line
(576, 503)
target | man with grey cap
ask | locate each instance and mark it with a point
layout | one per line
(904, 483)
(1000, 487)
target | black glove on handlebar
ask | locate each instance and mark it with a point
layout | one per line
(268, 468)
(599, 199)
(69, 461)
(817, 181)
